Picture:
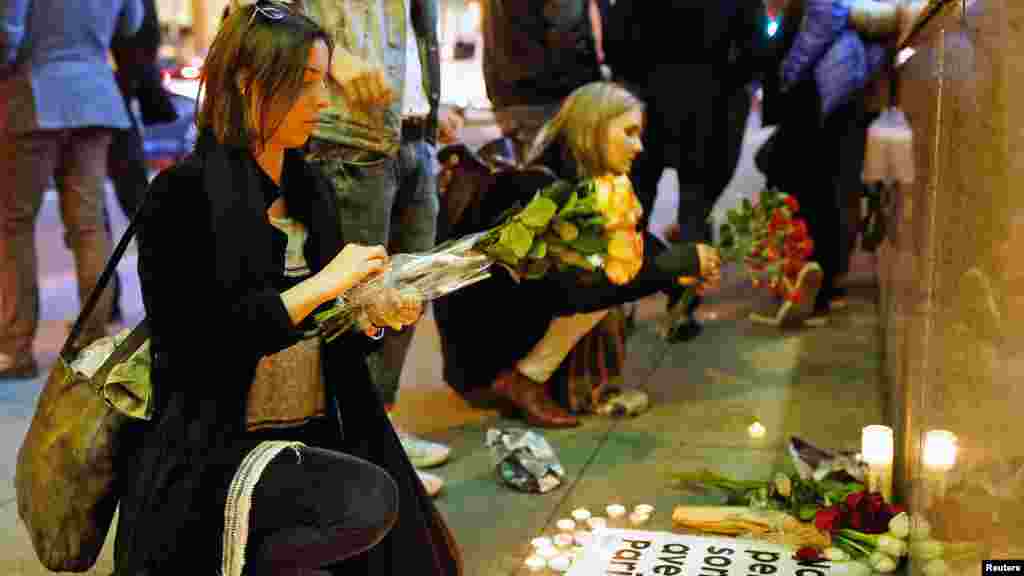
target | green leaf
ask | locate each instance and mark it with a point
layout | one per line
(589, 242)
(807, 512)
(747, 206)
(539, 249)
(538, 212)
(516, 238)
(570, 204)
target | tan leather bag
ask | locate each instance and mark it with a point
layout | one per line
(65, 471)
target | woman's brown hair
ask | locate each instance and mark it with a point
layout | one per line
(255, 63)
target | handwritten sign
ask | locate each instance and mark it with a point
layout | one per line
(642, 553)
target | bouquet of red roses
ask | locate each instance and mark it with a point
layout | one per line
(770, 242)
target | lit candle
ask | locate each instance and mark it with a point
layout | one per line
(877, 450)
(636, 519)
(756, 431)
(615, 512)
(536, 563)
(548, 552)
(560, 563)
(566, 525)
(581, 515)
(597, 523)
(940, 447)
(563, 540)
(541, 542)
(644, 509)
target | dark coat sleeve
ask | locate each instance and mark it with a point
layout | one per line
(568, 295)
(187, 304)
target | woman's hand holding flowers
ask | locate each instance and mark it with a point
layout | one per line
(353, 265)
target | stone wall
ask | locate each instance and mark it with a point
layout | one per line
(951, 277)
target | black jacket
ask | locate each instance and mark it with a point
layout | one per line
(206, 274)
(476, 349)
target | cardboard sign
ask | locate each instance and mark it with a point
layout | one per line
(642, 553)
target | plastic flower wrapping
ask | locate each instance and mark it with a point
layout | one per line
(589, 226)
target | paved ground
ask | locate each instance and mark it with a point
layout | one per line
(821, 384)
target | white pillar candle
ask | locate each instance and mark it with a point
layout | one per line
(645, 509)
(581, 515)
(541, 542)
(877, 450)
(536, 563)
(566, 525)
(563, 540)
(560, 563)
(597, 523)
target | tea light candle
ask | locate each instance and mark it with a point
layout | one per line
(566, 525)
(877, 450)
(560, 563)
(548, 552)
(563, 540)
(541, 542)
(581, 514)
(756, 431)
(597, 523)
(615, 512)
(637, 519)
(582, 537)
(536, 563)
(644, 509)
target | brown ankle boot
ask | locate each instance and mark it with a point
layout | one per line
(532, 400)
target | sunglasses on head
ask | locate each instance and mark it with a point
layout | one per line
(272, 10)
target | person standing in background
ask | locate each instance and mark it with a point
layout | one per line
(138, 77)
(376, 143)
(63, 104)
(536, 53)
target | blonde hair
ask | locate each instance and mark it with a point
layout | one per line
(582, 124)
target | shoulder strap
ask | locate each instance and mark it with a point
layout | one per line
(94, 296)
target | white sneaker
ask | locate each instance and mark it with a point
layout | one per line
(432, 483)
(423, 453)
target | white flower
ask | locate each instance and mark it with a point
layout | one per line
(926, 549)
(899, 526)
(892, 546)
(935, 567)
(850, 568)
(836, 554)
(920, 529)
(881, 562)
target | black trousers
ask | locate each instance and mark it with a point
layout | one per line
(313, 511)
(820, 164)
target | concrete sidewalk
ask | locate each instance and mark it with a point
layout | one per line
(821, 384)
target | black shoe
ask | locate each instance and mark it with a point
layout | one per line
(687, 331)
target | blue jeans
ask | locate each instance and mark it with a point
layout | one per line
(391, 202)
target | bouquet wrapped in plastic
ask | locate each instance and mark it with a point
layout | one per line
(589, 225)
(410, 281)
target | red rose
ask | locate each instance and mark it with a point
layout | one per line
(778, 222)
(795, 296)
(792, 203)
(854, 519)
(799, 230)
(827, 519)
(807, 553)
(853, 500)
